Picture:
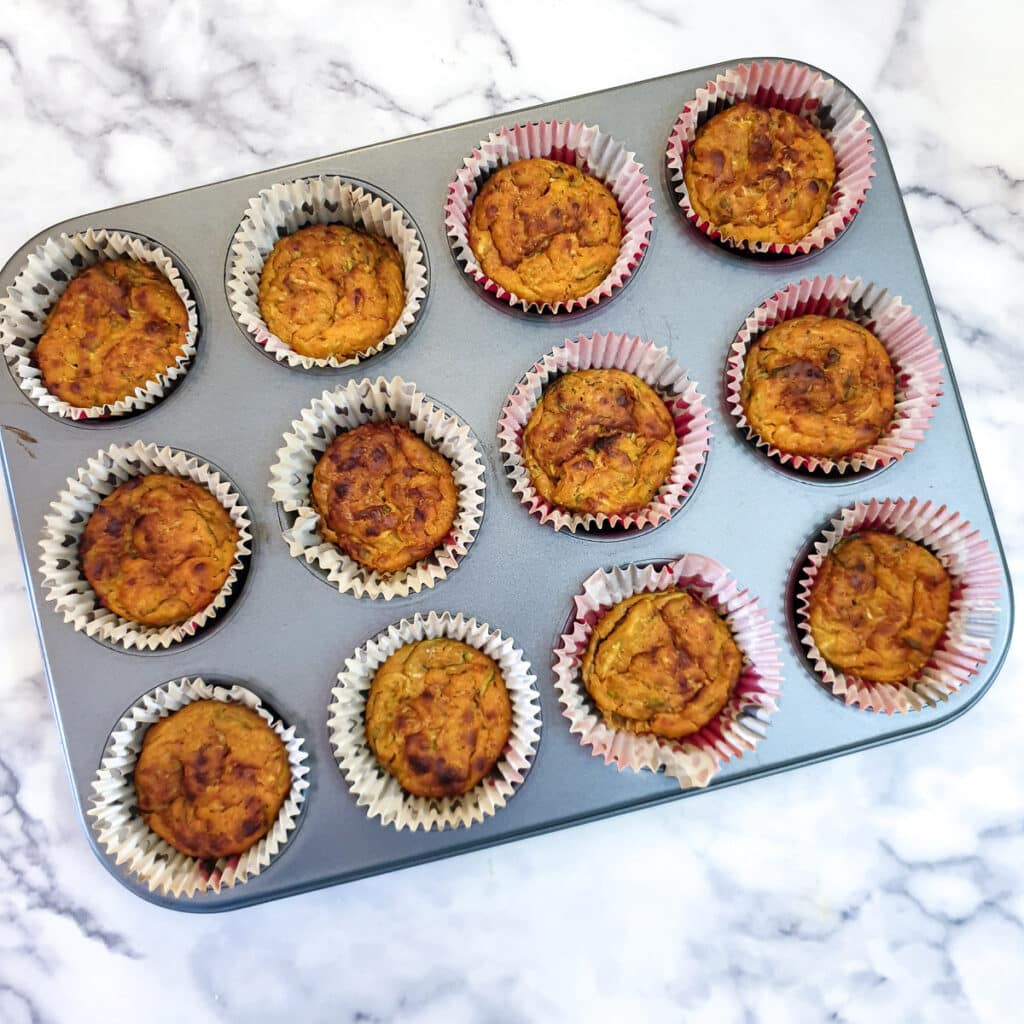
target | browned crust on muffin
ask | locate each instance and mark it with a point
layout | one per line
(384, 496)
(760, 174)
(818, 386)
(331, 290)
(879, 606)
(158, 549)
(599, 441)
(211, 778)
(118, 325)
(663, 663)
(438, 716)
(544, 230)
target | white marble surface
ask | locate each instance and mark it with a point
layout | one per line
(885, 886)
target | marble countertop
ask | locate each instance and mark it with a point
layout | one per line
(882, 886)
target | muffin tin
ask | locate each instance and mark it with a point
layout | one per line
(287, 633)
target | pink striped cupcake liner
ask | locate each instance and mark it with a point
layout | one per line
(571, 142)
(973, 606)
(913, 353)
(800, 90)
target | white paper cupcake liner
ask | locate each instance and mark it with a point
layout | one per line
(973, 603)
(914, 356)
(281, 210)
(571, 142)
(655, 367)
(126, 837)
(743, 721)
(809, 94)
(376, 401)
(63, 581)
(377, 790)
(36, 289)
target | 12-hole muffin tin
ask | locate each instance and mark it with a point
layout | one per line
(286, 633)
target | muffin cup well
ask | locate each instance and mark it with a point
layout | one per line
(572, 142)
(376, 401)
(379, 792)
(280, 211)
(973, 609)
(807, 93)
(694, 760)
(63, 581)
(126, 837)
(46, 275)
(652, 365)
(914, 356)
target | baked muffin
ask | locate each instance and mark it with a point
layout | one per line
(759, 174)
(211, 778)
(663, 663)
(817, 385)
(118, 325)
(599, 441)
(544, 230)
(879, 606)
(330, 290)
(384, 496)
(157, 549)
(438, 716)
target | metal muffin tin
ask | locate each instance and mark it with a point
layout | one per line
(286, 634)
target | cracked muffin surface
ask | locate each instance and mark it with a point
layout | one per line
(879, 606)
(211, 778)
(331, 290)
(118, 325)
(438, 716)
(158, 549)
(545, 230)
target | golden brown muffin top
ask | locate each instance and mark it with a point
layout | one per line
(599, 441)
(816, 385)
(438, 716)
(662, 663)
(544, 230)
(384, 496)
(157, 549)
(760, 174)
(879, 606)
(330, 290)
(118, 326)
(211, 778)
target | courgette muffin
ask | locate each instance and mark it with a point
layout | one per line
(818, 386)
(384, 496)
(760, 174)
(438, 716)
(158, 549)
(599, 441)
(879, 606)
(331, 290)
(662, 663)
(118, 325)
(211, 778)
(544, 230)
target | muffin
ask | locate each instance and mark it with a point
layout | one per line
(384, 496)
(438, 716)
(599, 441)
(329, 290)
(818, 386)
(663, 663)
(158, 549)
(879, 606)
(211, 778)
(118, 325)
(759, 174)
(544, 230)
